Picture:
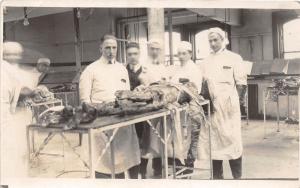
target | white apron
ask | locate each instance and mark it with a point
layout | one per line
(13, 126)
(14, 162)
(223, 71)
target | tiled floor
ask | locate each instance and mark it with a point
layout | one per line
(273, 157)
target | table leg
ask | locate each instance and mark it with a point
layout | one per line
(80, 139)
(91, 153)
(66, 99)
(209, 141)
(288, 104)
(247, 106)
(112, 155)
(277, 114)
(32, 141)
(28, 142)
(165, 147)
(298, 113)
(264, 111)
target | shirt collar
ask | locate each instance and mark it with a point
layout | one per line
(105, 61)
(220, 51)
(188, 63)
(154, 61)
(134, 68)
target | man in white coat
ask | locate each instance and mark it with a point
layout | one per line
(14, 116)
(187, 69)
(225, 79)
(98, 83)
(155, 66)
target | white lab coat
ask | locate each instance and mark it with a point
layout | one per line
(98, 83)
(14, 162)
(223, 71)
(189, 71)
(156, 72)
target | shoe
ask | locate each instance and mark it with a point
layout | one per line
(157, 175)
(143, 176)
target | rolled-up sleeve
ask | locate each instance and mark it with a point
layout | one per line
(240, 75)
(85, 86)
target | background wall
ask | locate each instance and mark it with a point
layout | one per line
(253, 40)
(53, 35)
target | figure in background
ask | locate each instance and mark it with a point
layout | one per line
(14, 115)
(157, 71)
(187, 71)
(43, 66)
(138, 76)
(156, 68)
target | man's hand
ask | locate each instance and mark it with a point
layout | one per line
(191, 157)
(27, 92)
(241, 89)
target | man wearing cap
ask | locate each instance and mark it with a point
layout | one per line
(226, 81)
(98, 83)
(156, 71)
(42, 67)
(187, 70)
(155, 65)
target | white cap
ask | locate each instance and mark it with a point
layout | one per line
(220, 32)
(44, 60)
(12, 47)
(184, 46)
(154, 43)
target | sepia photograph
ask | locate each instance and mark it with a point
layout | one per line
(149, 92)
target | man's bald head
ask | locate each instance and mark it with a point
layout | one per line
(12, 52)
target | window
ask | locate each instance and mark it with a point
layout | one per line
(176, 37)
(202, 45)
(291, 39)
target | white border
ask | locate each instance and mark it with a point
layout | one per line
(87, 183)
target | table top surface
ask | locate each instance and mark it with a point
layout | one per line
(51, 101)
(104, 121)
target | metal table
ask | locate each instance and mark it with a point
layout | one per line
(266, 98)
(109, 123)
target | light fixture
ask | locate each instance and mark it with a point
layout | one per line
(26, 21)
(78, 13)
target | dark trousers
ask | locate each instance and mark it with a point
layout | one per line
(139, 127)
(157, 166)
(133, 174)
(235, 166)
